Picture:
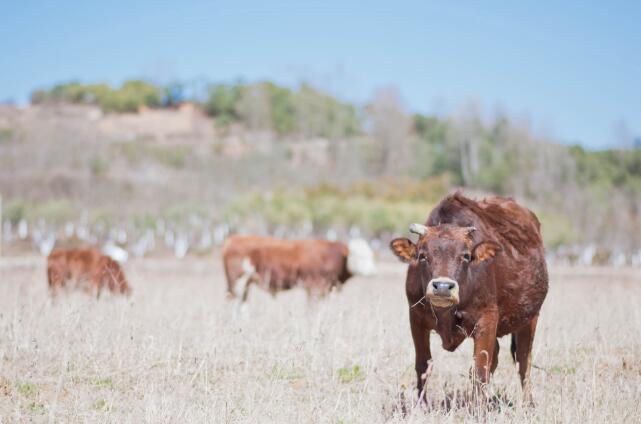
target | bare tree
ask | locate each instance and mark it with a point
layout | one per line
(464, 133)
(311, 109)
(253, 107)
(391, 131)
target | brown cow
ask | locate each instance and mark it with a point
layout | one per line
(88, 269)
(276, 264)
(477, 270)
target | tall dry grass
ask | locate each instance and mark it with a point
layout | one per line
(177, 352)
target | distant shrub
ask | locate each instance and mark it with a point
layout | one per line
(139, 151)
(557, 230)
(180, 213)
(6, 135)
(131, 96)
(351, 374)
(221, 103)
(127, 98)
(320, 115)
(134, 151)
(265, 105)
(175, 157)
(304, 111)
(54, 212)
(28, 389)
(144, 220)
(37, 407)
(101, 405)
(98, 165)
(283, 112)
(326, 209)
(15, 211)
(103, 382)
(101, 217)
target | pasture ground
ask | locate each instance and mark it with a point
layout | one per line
(177, 352)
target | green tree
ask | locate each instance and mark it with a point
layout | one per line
(221, 102)
(283, 111)
(131, 96)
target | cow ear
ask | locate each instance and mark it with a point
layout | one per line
(404, 249)
(485, 250)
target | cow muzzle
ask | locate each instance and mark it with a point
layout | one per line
(442, 292)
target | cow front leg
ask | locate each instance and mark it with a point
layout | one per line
(56, 280)
(484, 347)
(97, 280)
(423, 355)
(524, 339)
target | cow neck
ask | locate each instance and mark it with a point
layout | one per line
(445, 318)
(447, 326)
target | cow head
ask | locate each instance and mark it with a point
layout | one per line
(446, 257)
(114, 277)
(360, 259)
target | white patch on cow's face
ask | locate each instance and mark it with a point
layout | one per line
(248, 267)
(443, 300)
(360, 260)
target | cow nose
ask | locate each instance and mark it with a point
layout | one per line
(443, 287)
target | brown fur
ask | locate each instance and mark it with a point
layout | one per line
(503, 282)
(315, 265)
(88, 269)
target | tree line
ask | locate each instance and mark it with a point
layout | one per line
(597, 193)
(304, 111)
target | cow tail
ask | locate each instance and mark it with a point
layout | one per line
(513, 348)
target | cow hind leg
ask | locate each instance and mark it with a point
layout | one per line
(495, 358)
(229, 275)
(522, 348)
(513, 348)
(241, 287)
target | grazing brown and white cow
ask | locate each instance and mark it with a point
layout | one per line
(477, 270)
(277, 264)
(87, 269)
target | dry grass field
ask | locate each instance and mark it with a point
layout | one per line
(176, 352)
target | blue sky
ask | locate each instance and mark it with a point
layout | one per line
(573, 69)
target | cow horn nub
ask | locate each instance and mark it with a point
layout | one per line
(419, 229)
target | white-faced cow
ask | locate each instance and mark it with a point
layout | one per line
(277, 264)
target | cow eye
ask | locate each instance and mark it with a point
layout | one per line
(467, 257)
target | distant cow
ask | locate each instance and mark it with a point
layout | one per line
(477, 270)
(276, 264)
(87, 269)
